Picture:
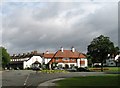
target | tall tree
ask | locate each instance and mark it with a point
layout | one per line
(99, 49)
(5, 57)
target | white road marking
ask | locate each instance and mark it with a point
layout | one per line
(26, 80)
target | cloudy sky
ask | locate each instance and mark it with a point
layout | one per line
(42, 26)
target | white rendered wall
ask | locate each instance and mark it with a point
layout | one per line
(86, 62)
(82, 59)
(31, 61)
(47, 60)
(117, 56)
(78, 63)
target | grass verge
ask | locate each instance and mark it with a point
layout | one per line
(106, 80)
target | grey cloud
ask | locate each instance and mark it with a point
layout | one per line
(57, 24)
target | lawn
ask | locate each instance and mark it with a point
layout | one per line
(106, 80)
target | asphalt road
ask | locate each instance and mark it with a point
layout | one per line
(14, 78)
(30, 79)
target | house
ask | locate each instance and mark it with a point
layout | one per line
(61, 59)
(65, 58)
(23, 61)
(112, 61)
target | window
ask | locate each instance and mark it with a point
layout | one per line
(56, 59)
(60, 66)
(65, 59)
(82, 62)
(72, 59)
(72, 65)
(111, 63)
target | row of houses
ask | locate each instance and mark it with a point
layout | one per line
(61, 59)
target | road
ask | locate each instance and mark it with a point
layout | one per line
(31, 79)
(14, 78)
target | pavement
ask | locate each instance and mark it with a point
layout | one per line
(50, 82)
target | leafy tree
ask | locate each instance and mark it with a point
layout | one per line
(99, 49)
(4, 56)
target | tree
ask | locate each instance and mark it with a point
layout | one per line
(99, 49)
(5, 57)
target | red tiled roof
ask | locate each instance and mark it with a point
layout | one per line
(48, 55)
(69, 54)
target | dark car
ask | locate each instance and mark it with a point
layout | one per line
(72, 69)
(83, 70)
(36, 68)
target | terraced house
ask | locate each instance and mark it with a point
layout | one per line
(61, 59)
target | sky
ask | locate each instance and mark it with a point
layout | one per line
(46, 26)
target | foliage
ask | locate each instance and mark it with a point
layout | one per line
(99, 49)
(5, 57)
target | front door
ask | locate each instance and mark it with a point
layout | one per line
(66, 66)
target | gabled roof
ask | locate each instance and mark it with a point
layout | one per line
(36, 62)
(48, 55)
(69, 54)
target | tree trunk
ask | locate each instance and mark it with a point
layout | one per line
(102, 66)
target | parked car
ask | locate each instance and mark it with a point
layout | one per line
(36, 68)
(81, 69)
(72, 69)
(16, 68)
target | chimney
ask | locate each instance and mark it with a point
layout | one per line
(73, 49)
(35, 52)
(23, 54)
(13, 55)
(61, 49)
(28, 53)
(47, 52)
(19, 55)
(32, 52)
